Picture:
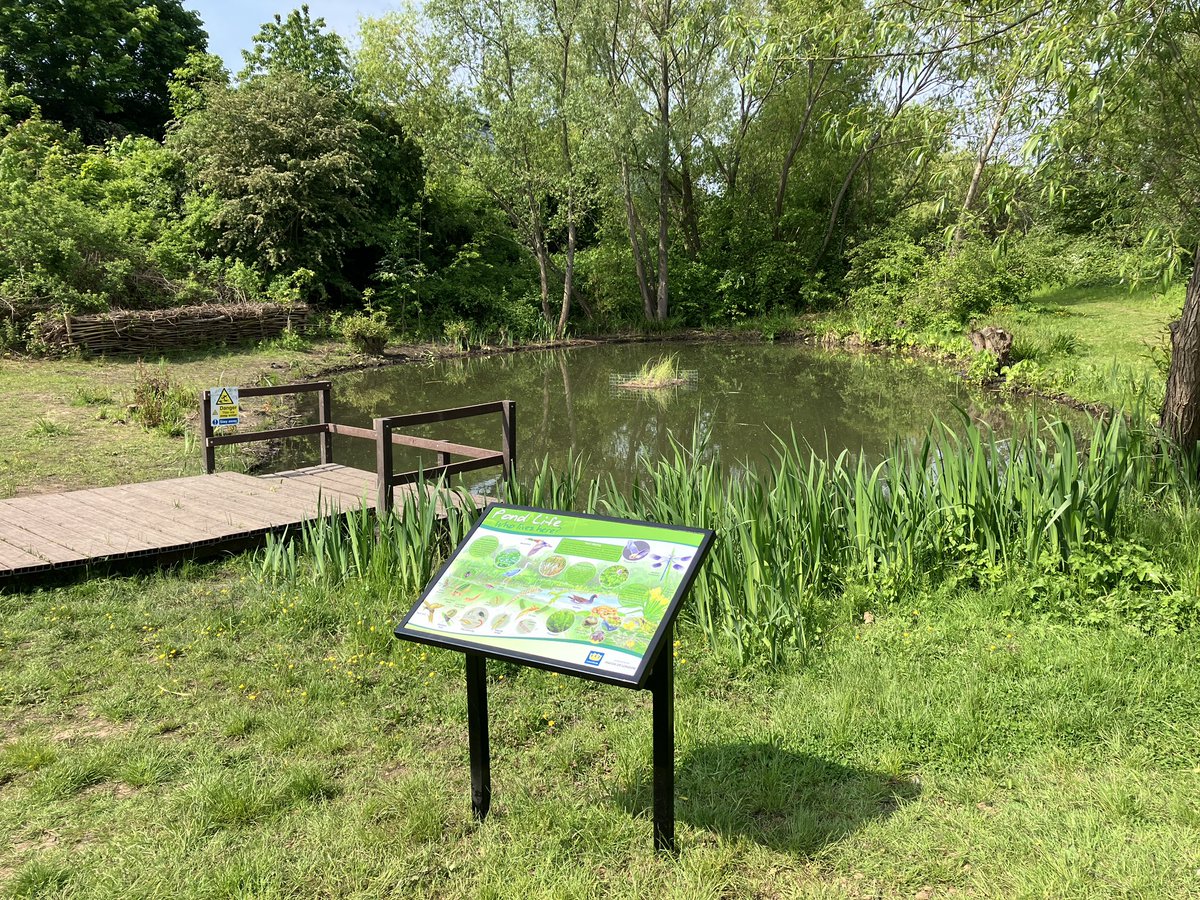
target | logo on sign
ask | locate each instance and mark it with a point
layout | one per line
(225, 409)
(594, 657)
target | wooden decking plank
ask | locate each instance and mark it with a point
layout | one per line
(162, 517)
(98, 517)
(309, 492)
(145, 518)
(292, 503)
(100, 537)
(276, 510)
(35, 542)
(359, 484)
(349, 492)
(240, 518)
(212, 522)
(12, 557)
(59, 526)
(348, 476)
(150, 503)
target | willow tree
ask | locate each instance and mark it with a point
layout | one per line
(1129, 75)
(491, 92)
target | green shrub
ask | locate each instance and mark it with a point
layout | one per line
(1112, 584)
(458, 334)
(159, 403)
(366, 333)
(1063, 343)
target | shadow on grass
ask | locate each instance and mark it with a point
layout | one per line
(791, 802)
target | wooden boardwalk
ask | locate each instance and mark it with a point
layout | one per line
(222, 512)
(165, 519)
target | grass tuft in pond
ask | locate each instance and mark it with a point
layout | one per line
(655, 374)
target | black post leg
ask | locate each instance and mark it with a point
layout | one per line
(662, 687)
(477, 735)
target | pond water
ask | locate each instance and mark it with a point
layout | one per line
(741, 394)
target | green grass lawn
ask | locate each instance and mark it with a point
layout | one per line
(1105, 344)
(67, 422)
(198, 734)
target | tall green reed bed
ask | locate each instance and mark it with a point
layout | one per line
(810, 543)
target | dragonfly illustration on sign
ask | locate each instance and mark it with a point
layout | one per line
(669, 562)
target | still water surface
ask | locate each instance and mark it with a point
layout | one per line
(741, 394)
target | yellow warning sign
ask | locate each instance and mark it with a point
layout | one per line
(225, 407)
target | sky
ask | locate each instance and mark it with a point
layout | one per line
(231, 24)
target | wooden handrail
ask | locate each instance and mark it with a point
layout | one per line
(444, 415)
(383, 434)
(477, 457)
(221, 440)
(212, 441)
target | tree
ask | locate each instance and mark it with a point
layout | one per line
(298, 44)
(282, 159)
(492, 94)
(1128, 76)
(101, 66)
(189, 84)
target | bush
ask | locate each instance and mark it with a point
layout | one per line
(159, 403)
(956, 287)
(366, 333)
(1106, 584)
(881, 279)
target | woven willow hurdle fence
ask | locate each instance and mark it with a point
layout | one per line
(181, 328)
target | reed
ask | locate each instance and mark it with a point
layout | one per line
(790, 539)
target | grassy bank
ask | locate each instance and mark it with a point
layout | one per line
(203, 735)
(1103, 345)
(76, 422)
(967, 720)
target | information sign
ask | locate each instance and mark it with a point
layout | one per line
(587, 595)
(577, 593)
(225, 407)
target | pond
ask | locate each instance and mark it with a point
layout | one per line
(741, 394)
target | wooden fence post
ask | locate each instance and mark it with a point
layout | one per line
(324, 412)
(206, 431)
(508, 447)
(383, 467)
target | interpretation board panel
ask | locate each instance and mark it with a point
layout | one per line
(582, 594)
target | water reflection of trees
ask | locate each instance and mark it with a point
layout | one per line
(744, 395)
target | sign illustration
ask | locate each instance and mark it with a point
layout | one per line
(225, 407)
(583, 594)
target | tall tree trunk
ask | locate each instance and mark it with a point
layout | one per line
(635, 244)
(797, 142)
(981, 161)
(664, 163)
(1181, 407)
(568, 274)
(687, 204)
(543, 259)
(836, 211)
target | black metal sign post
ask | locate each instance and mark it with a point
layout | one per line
(537, 646)
(477, 735)
(662, 690)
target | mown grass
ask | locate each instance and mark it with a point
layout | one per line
(1101, 344)
(73, 422)
(200, 734)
